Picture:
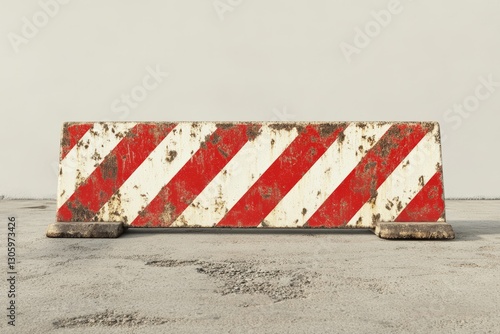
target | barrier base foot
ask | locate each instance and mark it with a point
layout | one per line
(85, 230)
(414, 231)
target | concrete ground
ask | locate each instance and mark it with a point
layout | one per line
(221, 281)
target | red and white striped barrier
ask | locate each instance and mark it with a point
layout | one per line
(254, 174)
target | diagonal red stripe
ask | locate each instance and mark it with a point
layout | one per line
(428, 205)
(114, 170)
(282, 175)
(72, 133)
(217, 150)
(362, 183)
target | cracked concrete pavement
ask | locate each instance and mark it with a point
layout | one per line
(249, 281)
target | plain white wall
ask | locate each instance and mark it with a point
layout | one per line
(249, 60)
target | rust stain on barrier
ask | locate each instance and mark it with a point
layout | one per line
(171, 155)
(224, 125)
(421, 181)
(192, 133)
(429, 126)
(84, 144)
(104, 126)
(387, 144)
(159, 130)
(282, 126)
(253, 131)
(167, 214)
(266, 192)
(327, 129)
(195, 127)
(437, 136)
(79, 178)
(370, 165)
(220, 203)
(93, 132)
(341, 137)
(311, 154)
(373, 189)
(183, 221)
(224, 153)
(114, 206)
(96, 156)
(343, 204)
(215, 138)
(79, 212)
(286, 126)
(109, 167)
(372, 201)
(65, 140)
(371, 140)
(120, 134)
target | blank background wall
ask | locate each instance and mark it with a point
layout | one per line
(249, 60)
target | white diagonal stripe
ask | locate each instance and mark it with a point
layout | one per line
(156, 171)
(404, 183)
(86, 156)
(246, 167)
(319, 182)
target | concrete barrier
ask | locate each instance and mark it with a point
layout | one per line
(375, 175)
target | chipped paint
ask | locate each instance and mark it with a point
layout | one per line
(281, 174)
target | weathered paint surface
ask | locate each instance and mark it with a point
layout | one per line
(253, 174)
